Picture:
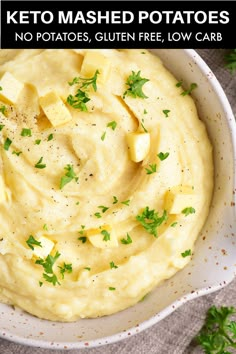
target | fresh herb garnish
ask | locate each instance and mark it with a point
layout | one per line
(187, 92)
(0, 88)
(7, 144)
(39, 164)
(163, 155)
(40, 283)
(106, 235)
(126, 202)
(112, 125)
(179, 84)
(17, 153)
(135, 83)
(85, 83)
(186, 253)
(188, 210)
(47, 264)
(150, 220)
(81, 232)
(69, 176)
(50, 137)
(127, 240)
(45, 227)
(98, 215)
(83, 239)
(26, 132)
(67, 268)
(1, 127)
(103, 136)
(166, 112)
(31, 241)
(174, 224)
(142, 125)
(153, 169)
(115, 200)
(112, 265)
(103, 208)
(145, 111)
(79, 100)
(3, 109)
(218, 335)
(87, 268)
(37, 142)
(231, 60)
(51, 278)
(111, 288)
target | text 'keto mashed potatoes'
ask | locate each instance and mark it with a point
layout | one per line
(106, 178)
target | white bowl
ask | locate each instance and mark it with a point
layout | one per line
(213, 264)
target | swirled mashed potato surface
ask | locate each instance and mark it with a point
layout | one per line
(101, 200)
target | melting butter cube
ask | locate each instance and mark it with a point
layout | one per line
(179, 198)
(55, 109)
(138, 145)
(47, 246)
(11, 88)
(95, 61)
(103, 237)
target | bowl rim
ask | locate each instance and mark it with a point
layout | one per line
(81, 344)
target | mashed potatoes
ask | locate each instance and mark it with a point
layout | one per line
(105, 179)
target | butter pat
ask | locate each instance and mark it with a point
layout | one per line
(98, 237)
(95, 61)
(138, 145)
(180, 198)
(55, 109)
(44, 251)
(11, 88)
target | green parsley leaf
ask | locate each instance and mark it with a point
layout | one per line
(7, 144)
(163, 155)
(79, 100)
(51, 279)
(67, 268)
(112, 125)
(26, 132)
(50, 137)
(150, 220)
(83, 239)
(188, 210)
(98, 215)
(1, 127)
(103, 208)
(31, 241)
(111, 288)
(112, 265)
(166, 112)
(0, 88)
(135, 83)
(39, 164)
(188, 92)
(179, 84)
(145, 111)
(174, 224)
(231, 60)
(3, 109)
(17, 153)
(126, 202)
(48, 263)
(106, 235)
(37, 142)
(86, 82)
(186, 253)
(126, 241)
(142, 125)
(45, 227)
(103, 136)
(218, 332)
(115, 200)
(81, 232)
(153, 169)
(77, 203)
(40, 283)
(87, 268)
(69, 176)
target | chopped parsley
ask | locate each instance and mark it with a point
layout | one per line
(142, 125)
(17, 153)
(145, 111)
(98, 215)
(26, 132)
(103, 136)
(106, 235)
(79, 100)
(1, 127)
(153, 169)
(50, 137)
(83, 239)
(187, 211)
(85, 83)
(87, 268)
(188, 92)
(81, 232)
(163, 155)
(112, 265)
(111, 288)
(115, 200)
(40, 283)
(45, 227)
(47, 265)
(150, 220)
(186, 253)
(31, 242)
(103, 208)
(37, 142)
(179, 83)
(112, 125)
(39, 164)
(0, 88)
(127, 240)
(135, 83)
(3, 109)
(7, 144)
(67, 268)
(126, 202)
(166, 112)
(69, 176)
(174, 224)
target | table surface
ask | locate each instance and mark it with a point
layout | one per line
(174, 334)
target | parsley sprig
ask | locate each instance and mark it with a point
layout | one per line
(150, 220)
(86, 82)
(135, 83)
(47, 265)
(69, 176)
(218, 335)
(31, 242)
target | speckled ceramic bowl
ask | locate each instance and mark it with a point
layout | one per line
(213, 264)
